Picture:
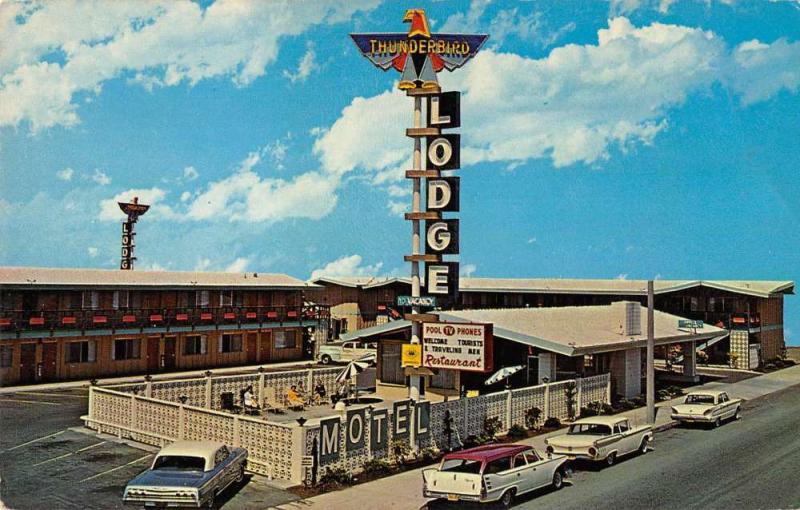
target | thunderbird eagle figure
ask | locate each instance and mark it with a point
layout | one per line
(418, 55)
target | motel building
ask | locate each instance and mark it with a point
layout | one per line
(552, 344)
(61, 324)
(750, 311)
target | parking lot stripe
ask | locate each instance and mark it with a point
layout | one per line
(68, 454)
(30, 401)
(117, 468)
(34, 440)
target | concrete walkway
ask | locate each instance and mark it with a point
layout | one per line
(404, 490)
(269, 367)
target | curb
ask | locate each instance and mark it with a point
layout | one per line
(665, 426)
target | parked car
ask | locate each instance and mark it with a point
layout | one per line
(187, 473)
(492, 473)
(711, 407)
(601, 438)
(343, 352)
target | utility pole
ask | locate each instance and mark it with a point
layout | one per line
(651, 342)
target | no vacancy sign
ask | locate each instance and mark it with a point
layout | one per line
(457, 346)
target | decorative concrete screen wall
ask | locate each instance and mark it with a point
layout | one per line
(143, 413)
(468, 416)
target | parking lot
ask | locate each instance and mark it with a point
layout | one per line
(48, 460)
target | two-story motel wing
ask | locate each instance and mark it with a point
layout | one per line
(58, 324)
(752, 311)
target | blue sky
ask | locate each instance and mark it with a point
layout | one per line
(630, 138)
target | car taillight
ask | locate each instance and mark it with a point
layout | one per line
(549, 449)
(592, 452)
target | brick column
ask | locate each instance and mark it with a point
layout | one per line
(740, 346)
(689, 359)
(626, 371)
(547, 367)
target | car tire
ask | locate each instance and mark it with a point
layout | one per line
(738, 414)
(558, 479)
(325, 359)
(239, 475)
(643, 446)
(507, 498)
(212, 501)
(611, 459)
(717, 422)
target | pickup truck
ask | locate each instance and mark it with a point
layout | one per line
(187, 473)
(601, 438)
(709, 407)
(343, 352)
(490, 473)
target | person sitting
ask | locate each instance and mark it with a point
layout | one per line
(319, 393)
(293, 397)
(249, 402)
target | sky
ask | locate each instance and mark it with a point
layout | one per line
(624, 139)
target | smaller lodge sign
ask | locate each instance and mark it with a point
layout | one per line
(457, 346)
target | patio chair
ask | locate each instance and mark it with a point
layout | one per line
(227, 403)
(271, 401)
(294, 403)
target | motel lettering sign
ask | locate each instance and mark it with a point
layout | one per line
(457, 346)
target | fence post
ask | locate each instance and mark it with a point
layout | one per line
(134, 424)
(412, 430)
(208, 389)
(578, 395)
(546, 401)
(298, 449)
(181, 421)
(608, 388)
(508, 409)
(310, 382)
(148, 386)
(237, 431)
(91, 402)
(261, 389)
(464, 410)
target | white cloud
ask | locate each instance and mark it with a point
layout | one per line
(185, 196)
(65, 174)
(622, 276)
(238, 266)
(101, 177)
(467, 270)
(110, 211)
(531, 240)
(202, 264)
(347, 266)
(618, 7)
(151, 266)
(398, 191)
(190, 173)
(92, 251)
(579, 102)
(398, 208)
(305, 67)
(161, 43)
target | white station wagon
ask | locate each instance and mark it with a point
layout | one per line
(711, 407)
(601, 438)
(497, 472)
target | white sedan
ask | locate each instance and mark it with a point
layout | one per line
(711, 407)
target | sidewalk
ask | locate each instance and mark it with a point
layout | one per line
(63, 385)
(404, 490)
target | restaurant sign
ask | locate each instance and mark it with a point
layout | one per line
(457, 346)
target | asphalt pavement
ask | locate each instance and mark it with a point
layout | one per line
(752, 463)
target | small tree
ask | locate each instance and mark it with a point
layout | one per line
(570, 394)
(491, 426)
(532, 417)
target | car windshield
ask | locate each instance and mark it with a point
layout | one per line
(593, 429)
(179, 463)
(700, 399)
(462, 466)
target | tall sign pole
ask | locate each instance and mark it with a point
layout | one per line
(651, 371)
(418, 55)
(133, 209)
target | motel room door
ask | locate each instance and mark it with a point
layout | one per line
(252, 348)
(49, 371)
(27, 363)
(152, 353)
(168, 358)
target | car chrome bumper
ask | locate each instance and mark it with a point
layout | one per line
(452, 497)
(698, 418)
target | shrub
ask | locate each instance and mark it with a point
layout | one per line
(779, 363)
(587, 411)
(570, 394)
(491, 426)
(770, 366)
(552, 423)
(428, 454)
(476, 440)
(377, 467)
(400, 450)
(639, 401)
(336, 476)
(675, 391)
(663, 395)
(532, 416)
(625, 405)
(516, 431)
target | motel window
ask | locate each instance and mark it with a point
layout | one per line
(126, 349)
(286, 339)
(226, 298)
(74, 300)
(6, 353)
(81, 352)
(121, 299)
(201, 298)
(391, 371)
(195, 344)
(230, 343)
(444, 379)
(91, 300)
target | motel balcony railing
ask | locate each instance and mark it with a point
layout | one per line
(127, 318)
(727, 320)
